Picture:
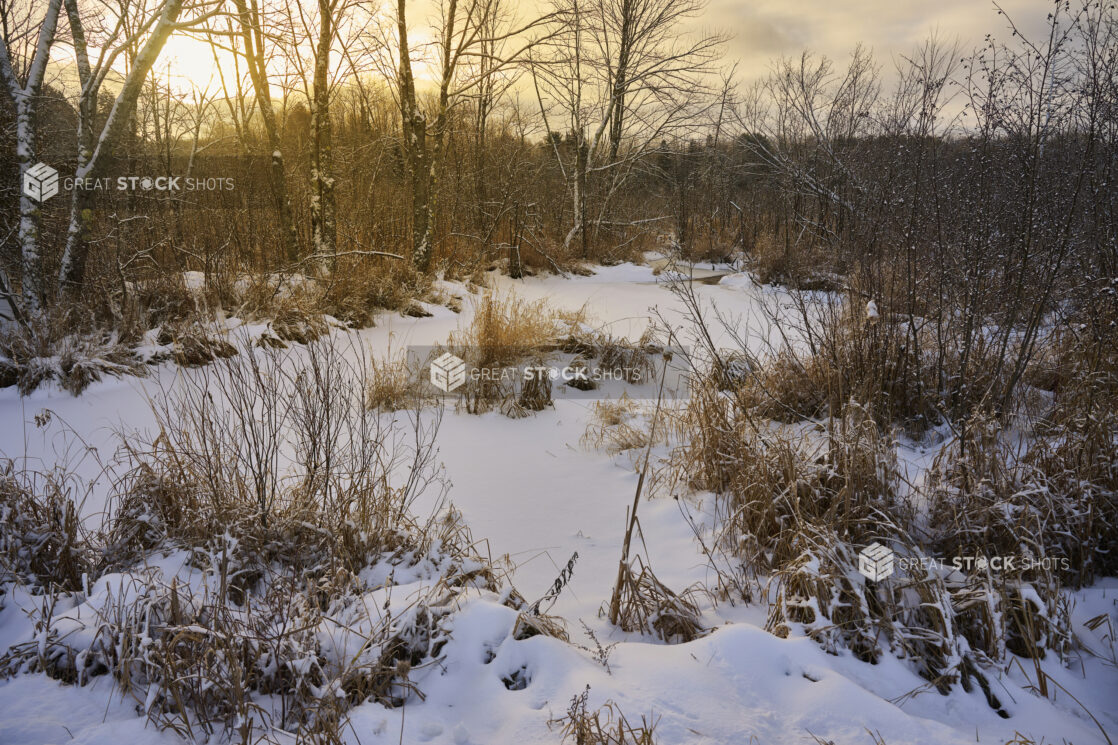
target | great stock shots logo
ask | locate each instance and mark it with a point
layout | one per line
(448, 372)
(207, 183)
(40, 182)
(875, 562)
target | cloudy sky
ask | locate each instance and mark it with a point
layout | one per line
(764, 29)
(761, 30)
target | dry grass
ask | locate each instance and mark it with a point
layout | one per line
(1055, 501)
(70, 347)
(393, 383)
(357, 289)
(200, 659)
(603, 726)
(44, 352)
(798, 447)
(648, 606)
(630, 361)
(217, 459)
(506, 336)
(899, 366)
(42, 542)
(777, 260)
(164, 298)
(295, 323)
(505, 329)
(816, 592)
(529, 624)
(195, 344)
(616, 426)
(796, 502)
(535, 390)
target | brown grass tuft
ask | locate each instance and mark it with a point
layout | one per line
(604, 726)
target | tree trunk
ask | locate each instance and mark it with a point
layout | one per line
(516, 268)
(24, 97)
(31, 265)
(583, 165)
(253, 37)
(323, 214)
(416, 157)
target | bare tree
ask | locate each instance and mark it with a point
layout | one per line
(251, 30)
(414, 140)
(315, 36)
(619, 69)
(323, 210)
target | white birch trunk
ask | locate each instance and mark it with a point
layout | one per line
(24, 97)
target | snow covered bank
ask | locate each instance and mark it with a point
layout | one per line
(535, 492)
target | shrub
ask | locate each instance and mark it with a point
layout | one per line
(393, 384)
(357, 288)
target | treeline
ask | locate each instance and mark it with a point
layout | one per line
(979, 182)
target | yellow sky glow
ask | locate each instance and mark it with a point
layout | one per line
(761, 29)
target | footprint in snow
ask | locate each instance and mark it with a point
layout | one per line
(430, 731)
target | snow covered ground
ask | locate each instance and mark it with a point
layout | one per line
(537, 495)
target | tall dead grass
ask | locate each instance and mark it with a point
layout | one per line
(799, 448)
(42, 541)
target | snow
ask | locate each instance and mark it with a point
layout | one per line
(534, 493)
(40, 710)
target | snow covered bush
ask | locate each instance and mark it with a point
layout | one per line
(195, 343)
(39, 353)
(294, 323)
(42, 542)
(797, 497)
(290, 654)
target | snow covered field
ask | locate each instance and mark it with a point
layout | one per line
(537, 495)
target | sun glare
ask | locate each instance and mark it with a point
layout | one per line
(188, 65)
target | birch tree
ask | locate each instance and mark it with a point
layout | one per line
(136, 31)
(24, 87)
(413, 133)
(323, 213)
(320, 33)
